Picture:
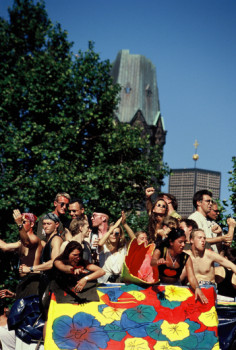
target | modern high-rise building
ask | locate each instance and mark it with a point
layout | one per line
(183, 183)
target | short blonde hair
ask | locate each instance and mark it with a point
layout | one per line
(76, 224)
(62, 194)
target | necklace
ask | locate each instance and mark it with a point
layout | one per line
(173, 259)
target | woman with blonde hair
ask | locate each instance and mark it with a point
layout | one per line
(112, 248)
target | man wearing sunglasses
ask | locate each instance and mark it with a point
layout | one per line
(61, 204)
(202, 201)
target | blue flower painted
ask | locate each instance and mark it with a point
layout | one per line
(82, 331)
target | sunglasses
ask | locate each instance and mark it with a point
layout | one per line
(161, 205)
(62, 204)
(116, 233)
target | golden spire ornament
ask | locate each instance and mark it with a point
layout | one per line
(195, 156)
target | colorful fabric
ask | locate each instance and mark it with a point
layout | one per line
(131, 317)
(136, 268)
(30, 216)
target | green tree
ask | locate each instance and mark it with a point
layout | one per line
(57, 130)
(232, 185)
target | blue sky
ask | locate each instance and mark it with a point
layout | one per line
(192, 43)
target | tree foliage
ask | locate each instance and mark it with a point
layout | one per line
(57, 131)
(232, 185)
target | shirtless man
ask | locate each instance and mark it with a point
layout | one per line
(51, 248)
(203, 259)
(29, 246)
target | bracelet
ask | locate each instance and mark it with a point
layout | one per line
(31, 269)
(197, 287)
(86, 278)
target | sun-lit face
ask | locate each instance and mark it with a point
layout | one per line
(75, 211)
(61, 205)
(205, 204)
(27, 224)
(178, 244)
(50, 226)
(199, 240)
(115, 235)
(98, 219)
(142, 238)
(160, 207)
(74, 257)
(214, 212)
(85, 231)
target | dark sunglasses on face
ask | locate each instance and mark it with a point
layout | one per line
(161, 205)
(116, 233)
(72, 211)
(62, 204)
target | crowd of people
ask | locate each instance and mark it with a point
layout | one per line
(69, 255)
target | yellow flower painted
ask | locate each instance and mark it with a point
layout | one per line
(113, 313)
(164, 345)
(209, 318)
(138, 295)
(216, 347)
(175, 293)
(175, 331)
(136, 344)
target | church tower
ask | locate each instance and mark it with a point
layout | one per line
(139, 100)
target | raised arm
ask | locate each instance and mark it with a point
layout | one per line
(223, 261)
(9, 247)
(19, 221)
(126, 226)
(148, 193)
(227, 238)
(107, 234)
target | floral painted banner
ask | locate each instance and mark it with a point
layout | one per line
(134, 318)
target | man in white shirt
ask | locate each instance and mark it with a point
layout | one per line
(202, 201)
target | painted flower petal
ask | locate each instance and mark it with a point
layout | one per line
(133, 328)
(113, 313)
(175, 331)
(209, 318)
(175, 293)
(155, 332)
(82, 331)
(164, 345)
(81, 319)
(142, 313)
(137, 344)
(115, 331)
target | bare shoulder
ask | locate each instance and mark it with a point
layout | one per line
(35, 240)
(188, 251)
(210, 254)
(56, 240)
